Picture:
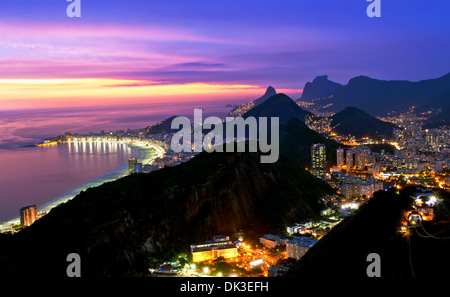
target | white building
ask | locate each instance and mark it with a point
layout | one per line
(374, 169)
(297, 247)
(271, 241)
(318, 160)
(340, 157)
(349, 158)
(296, 229)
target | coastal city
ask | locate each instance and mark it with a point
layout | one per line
(415, 156)
(187, 142)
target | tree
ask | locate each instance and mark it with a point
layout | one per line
(183, 261)
(223, 267)
(219, 260)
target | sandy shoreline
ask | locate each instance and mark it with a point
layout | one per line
(144, 155)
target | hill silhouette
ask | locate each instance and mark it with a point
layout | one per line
(237, 110)
(381, 96)
(162, 127)
(359, 123)
(295, 137)
(279, 105)
(320, 87)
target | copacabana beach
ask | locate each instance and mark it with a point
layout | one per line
(94, 155)
(50, 175)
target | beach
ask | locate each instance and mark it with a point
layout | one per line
(143, 153)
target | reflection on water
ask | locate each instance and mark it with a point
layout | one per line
(24, 127)
(39, 174)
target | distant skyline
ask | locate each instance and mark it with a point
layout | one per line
(134, 52)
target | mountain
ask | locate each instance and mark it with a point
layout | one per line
(296, 140)
(380, 96)
(279, 105)
(162, 127)
(359, 123)
(320, 87)
(270, 91)
(373, 229)
(118, 227)
(241, 109)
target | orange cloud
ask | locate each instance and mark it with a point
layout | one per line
(27, 93)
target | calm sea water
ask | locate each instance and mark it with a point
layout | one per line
(39, 175)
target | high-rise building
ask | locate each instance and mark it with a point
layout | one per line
(131, 163)
(340, 156)
(349, 158)
(360, 159)
(318, 159)
(28, 215)
(367, 155)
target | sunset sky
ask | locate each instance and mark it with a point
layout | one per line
(124, 52)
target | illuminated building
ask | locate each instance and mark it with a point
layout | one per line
(220, 238)
(296, 229)
(335, 169)
(326, 212)
(350, 190)
(301, 227)
(366, 189)
(360, 159)
(367, 155)
(349, 158)
(28, 215)
(255, 263)
(374, 169)
(353, 188)
(297, 247)
(221, 247)
(318, 159)
(211, 253)
(131, 163)
(340, 157)
(271, 241)
(378, 186)
(427, 213)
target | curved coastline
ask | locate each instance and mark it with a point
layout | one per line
(144, 154)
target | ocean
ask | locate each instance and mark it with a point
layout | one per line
(46, 176)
